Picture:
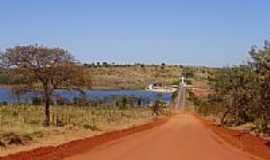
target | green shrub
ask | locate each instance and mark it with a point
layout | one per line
(36, 100)
(158, 107)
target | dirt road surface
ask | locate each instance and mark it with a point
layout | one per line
(183, 137)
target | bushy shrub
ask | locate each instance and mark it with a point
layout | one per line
(158, 107)
(36, 100)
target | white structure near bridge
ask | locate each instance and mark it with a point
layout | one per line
(158, 87)
(183, 83)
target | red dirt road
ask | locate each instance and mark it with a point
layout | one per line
(183, 137)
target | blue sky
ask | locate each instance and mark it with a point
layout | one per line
(196, 32)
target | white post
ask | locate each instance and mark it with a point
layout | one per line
(180, 101)
(183, 80)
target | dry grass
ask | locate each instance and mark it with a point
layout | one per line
(133, 77)
(23, 124)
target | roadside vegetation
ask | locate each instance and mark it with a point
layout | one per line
(240, 95)
(42, 70)
(22, 124)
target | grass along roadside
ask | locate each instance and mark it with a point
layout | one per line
(21, 126)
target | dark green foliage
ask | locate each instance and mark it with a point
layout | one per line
(105, 64)
(37, 101)
(4, 78)
(4, 103)
(139, 102)
(241, 93)
(158, 107)
(163, 65)
(174, 95)
(188, 82)
(175, 82)
(124, 103)
(261, 65)
(188, 72)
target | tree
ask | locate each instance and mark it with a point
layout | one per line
(98, 64)
(235, 87)
(105, 64)
(261, 64)
(241, 93)
(188, 72)
(158, 107)
(163, 65)
(42, 69)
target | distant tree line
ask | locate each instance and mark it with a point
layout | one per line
(241, 94)
(113, 64)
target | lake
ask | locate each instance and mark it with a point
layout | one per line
(107, 96)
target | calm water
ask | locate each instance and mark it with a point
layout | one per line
(146, 97)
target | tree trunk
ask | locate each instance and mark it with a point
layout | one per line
(47, 99)
(47, 112)
(223, 119)
(264, 125)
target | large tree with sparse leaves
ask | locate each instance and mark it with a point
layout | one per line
(42, 69)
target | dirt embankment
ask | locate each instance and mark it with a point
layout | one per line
(241, 139)
(79, 146)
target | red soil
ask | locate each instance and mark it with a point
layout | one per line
(79, 146)
(241, 139)
(184, 136)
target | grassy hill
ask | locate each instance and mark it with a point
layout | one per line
(134, 76)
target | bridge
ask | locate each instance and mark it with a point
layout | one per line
(181, 94)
